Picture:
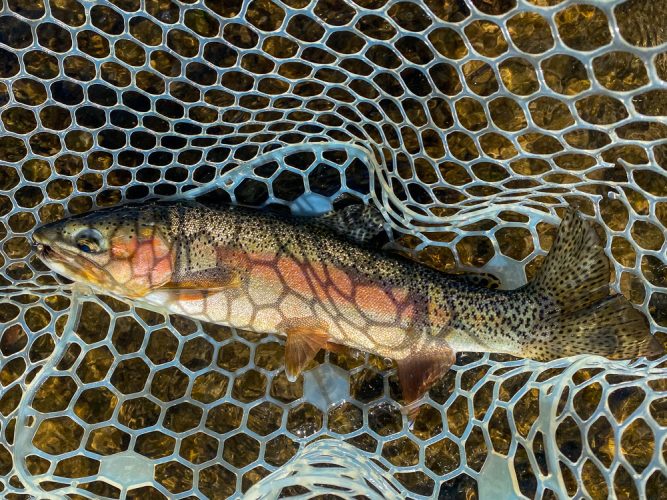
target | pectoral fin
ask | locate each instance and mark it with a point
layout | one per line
(305, 337)
(194, 285)
(421, 369)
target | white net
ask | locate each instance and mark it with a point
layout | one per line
(469, 122)
(328, 468)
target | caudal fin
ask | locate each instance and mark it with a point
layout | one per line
(581, 317)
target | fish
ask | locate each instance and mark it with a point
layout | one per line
(322, 284)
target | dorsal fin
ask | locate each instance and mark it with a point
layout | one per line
(575, 274)
(362, 224)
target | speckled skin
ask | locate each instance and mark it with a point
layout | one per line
(272, 273)
(290, 271)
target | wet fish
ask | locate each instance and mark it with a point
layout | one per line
(276, 274)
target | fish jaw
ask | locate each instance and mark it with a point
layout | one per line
(73, 267)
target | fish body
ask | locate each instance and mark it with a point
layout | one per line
(277, 274)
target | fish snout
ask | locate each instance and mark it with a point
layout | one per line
(44, 237)
(41, 235)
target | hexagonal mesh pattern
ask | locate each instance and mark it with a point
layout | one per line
(467, 121)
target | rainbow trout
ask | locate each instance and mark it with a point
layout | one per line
(273, 273)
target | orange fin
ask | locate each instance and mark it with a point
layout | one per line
(305, 337)
(419, 371)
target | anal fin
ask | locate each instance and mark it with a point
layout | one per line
(305, 338)
(421, 369)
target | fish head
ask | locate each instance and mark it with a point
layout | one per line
(126, 251)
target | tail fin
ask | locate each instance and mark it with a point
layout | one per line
(575, 274)
(584, 319)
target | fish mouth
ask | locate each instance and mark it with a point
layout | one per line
(70, 265)
(49, 255)
(46, 251)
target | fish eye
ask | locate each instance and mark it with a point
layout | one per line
(89, 241)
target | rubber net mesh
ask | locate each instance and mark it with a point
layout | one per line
(468, 122)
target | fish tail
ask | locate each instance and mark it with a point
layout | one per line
(580, 317)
